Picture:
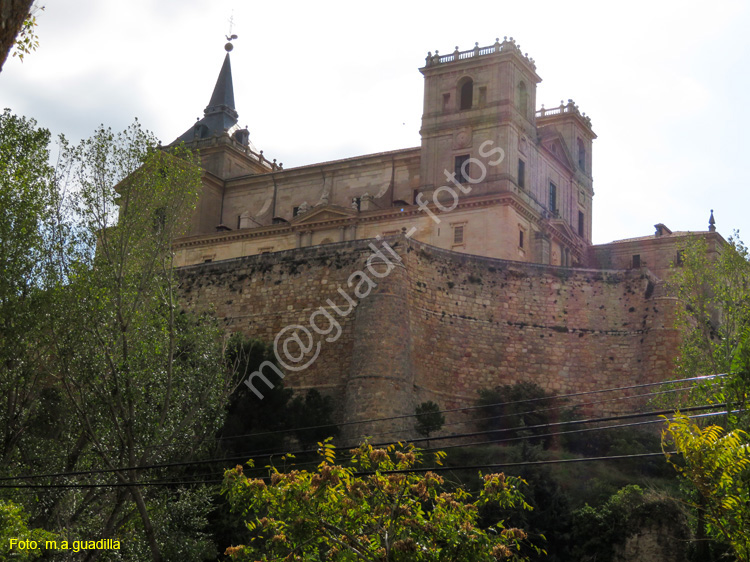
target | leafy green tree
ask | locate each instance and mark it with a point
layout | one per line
(509, 409)
(312, 418)
(145, 380)
(717, 464)
(259, 426)
(27, 204)
(597, 532)
(429, 419)
(376, 509)
(713, 285)
(14, 524)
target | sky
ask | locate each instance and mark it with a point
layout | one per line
(665, 83)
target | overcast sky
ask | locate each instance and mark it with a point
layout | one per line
(666, 84)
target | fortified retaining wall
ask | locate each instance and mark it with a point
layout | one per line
(438, 325)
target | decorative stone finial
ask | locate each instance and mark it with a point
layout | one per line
(712, 222)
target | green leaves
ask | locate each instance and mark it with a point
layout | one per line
(717, 464)
(375, 508)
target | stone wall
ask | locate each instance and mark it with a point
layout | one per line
(441, 325)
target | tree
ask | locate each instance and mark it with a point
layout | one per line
(27, 203)
(598, 533)
(145, 380)
(376, 509)
(717, 464)
(265, 425)
(713, 287)
(14, 525)
(429, 419)
(510, 408)
(312, 418)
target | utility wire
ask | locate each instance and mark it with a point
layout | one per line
(363, 473)
(468, 408)
(271, 452)
(412, 470)
(244, 458)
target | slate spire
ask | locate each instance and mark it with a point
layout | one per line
(220, 116)
(222, 100)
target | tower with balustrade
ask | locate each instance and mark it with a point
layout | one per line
(541, 192)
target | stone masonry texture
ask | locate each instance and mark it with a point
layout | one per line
(441, 325)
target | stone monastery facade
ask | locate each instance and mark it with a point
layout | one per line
(532, 203)
(489, 276)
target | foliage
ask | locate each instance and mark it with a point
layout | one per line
(14, 525)
(27, 205)
(100, 366)
(718, 466)
(429, 418)
(377, 509)
(597, 532)
(510, 408)
(254, 426)
(27, 40)
(262, 425)
(251, 424)
(145, 380)
(314, 412)
(714, 287)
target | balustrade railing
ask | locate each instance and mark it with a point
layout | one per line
(477, 51)
(563, 108)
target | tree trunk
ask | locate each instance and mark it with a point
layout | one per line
(150, 535)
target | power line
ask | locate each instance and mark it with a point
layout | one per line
(365, 473)
(455, 436)
(584, 430)
(270, 452)
(467, 408)
(114, 485)
(411, 470)
(514, 464)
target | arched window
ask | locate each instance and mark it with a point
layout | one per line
(466, 93)
(523, 99)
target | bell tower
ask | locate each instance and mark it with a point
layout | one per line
(471, 97)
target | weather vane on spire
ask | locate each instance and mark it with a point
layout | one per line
(231, 37)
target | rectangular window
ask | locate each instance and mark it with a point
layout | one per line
(521, 173)
(458, 234)
(679, 258)
(520, 238)
(552, 198)
(482, 96)
(461, 168)
(356, 203)
(416, 194)
(295, 211)
(580, 223)
(636, 261)
(581, 155)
